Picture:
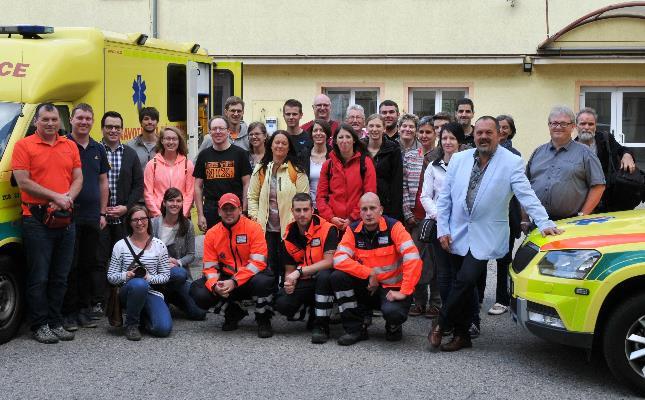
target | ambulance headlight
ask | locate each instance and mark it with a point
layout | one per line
(571, 264)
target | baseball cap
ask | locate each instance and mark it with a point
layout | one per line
(229, 198)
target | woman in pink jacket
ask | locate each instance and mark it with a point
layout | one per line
(169, 168)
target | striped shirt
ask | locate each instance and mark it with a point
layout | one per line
(412, 166)
(114, 158)
(155, 259)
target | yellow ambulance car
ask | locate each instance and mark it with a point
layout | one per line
(586, 288)
(109, 71)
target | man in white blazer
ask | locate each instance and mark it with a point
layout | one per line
(473, 224)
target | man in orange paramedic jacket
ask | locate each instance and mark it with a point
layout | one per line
(235, 261)
(309, 244)
(376, 265)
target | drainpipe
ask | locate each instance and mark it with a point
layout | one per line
(154, 8)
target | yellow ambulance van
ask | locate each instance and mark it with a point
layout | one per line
(109, 71)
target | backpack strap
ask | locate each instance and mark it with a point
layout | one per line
(293, 174)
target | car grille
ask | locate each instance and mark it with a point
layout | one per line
(523, 256)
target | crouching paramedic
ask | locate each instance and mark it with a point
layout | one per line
(235, 260)
(376, 265)
(310, 243)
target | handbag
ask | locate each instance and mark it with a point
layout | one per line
(625, 190)
(428, 230)
(113, 310)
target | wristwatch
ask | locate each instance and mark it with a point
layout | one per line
(299, 269)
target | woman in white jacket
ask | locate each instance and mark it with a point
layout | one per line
(451, 138)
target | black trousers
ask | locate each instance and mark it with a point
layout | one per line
(275, 259)
(458, 310)
(87, 275)
(259, 287)
(210, 213)
(108, 237)
(315, 292)
(501, 292)
(354, 302)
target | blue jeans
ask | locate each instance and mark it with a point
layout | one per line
(139, 303)
(49, 253)
(176, 293)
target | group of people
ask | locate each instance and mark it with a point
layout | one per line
(320, 215)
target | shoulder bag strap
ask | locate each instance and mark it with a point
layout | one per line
(136, 257)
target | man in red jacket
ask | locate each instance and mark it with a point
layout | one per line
(235, 261)
(376, 265)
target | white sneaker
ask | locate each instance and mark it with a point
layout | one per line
(497, 309)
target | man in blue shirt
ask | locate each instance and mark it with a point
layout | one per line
(87, 276)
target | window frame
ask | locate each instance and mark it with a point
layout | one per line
(438, 89)
(616, 89)
(353, 87)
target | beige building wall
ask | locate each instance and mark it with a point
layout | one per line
(286, 27)
(496, 89)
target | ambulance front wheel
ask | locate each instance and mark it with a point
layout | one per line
(11, 299)
(624, 342)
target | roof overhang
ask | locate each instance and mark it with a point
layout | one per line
(630, 10)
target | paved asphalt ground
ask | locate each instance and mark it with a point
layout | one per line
(199, 361)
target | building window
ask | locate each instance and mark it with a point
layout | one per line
(621, 111)
(341, 98)
(429, 101)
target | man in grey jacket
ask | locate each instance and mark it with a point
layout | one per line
(145, 143)
(237, 128)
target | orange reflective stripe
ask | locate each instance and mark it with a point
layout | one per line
(594, 242)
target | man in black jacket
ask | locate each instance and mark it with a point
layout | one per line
(125, 181)
(620, 156)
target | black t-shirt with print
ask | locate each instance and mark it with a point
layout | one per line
(222, 171)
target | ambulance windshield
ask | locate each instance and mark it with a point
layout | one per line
(9, 113)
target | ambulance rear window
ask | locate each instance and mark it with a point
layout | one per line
(176, 92)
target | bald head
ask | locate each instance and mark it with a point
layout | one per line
(369, 197)
(322, 107)
(371, 210)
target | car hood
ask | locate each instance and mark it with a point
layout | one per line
(595, 231)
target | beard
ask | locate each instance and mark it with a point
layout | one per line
(586, 136)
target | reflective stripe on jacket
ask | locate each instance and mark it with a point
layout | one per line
(390, 251)
(239, 251)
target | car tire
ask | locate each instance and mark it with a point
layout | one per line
(624, 338)
(11, 299)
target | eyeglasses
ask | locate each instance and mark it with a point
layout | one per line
(139, 220)
(556, 124)
(218, 129)
(112, 127)
(253, 134)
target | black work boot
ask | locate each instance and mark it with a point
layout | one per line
(232, 316)
(320, 332)
(264, 328)
(393, 333)
(349, 338)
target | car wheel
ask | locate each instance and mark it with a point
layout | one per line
(11, 300)
(624, 343)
